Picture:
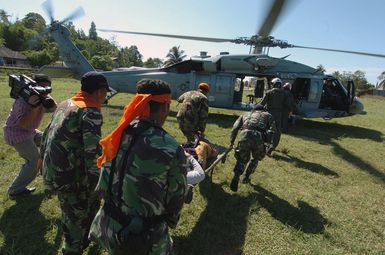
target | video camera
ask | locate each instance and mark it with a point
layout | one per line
(25, 87)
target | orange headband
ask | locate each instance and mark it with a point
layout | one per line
(138, 107)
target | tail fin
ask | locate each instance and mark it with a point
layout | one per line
(70, 54)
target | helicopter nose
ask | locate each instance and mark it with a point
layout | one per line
(356, 107)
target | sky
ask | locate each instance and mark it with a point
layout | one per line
(340, 24)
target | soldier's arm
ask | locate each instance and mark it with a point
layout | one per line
(91, 132)
(234, 131)
(177, 185)
(264, 99)
(180, 99)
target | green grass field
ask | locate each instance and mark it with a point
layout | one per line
(322, 193)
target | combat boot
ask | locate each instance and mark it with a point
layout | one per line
(234, 182)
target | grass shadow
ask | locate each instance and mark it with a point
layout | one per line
(313, 167)
(328, 133)
(213, 232)
(24, 228)
(324, 132)
(358, 162)
(305, 218)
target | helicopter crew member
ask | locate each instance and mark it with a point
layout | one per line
(288, 110)
(256, 136)
(69, 151)
(275, 101)
(144, 187)
(192, 115)
(20, 131)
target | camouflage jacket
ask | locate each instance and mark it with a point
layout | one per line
(194, 109)
(148, 174)
(275, 100)
(292, 106)
(70, 147)
(254, 123)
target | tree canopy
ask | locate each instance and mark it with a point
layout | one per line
(358, 78)
(174, 55)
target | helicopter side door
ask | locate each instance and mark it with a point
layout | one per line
(307, 93)
(221, 88)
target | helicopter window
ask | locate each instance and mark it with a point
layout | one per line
(301, 88)
(314, 94)
(223, 84)
(237, 85)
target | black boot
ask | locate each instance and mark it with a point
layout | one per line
(234, 182)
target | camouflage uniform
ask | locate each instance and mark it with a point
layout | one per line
(192, 115)
(275, 101)
(257, 128)
(291, 108)
(146, 183)
(69, 151)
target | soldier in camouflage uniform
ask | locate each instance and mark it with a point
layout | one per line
(275, 101)
(144, 186)
(292, 107)
(69, 151)
(257, 130)
(192, 115)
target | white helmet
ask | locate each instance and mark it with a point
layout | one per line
(277, 83)
(287, 86)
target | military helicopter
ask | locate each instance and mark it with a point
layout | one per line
(226, 73)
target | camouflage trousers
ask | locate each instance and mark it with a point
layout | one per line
(188, 128)
(105, 229)
(78, 211)
(277, 135)
(252, 146)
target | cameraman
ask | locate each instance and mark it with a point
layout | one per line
(20, 131)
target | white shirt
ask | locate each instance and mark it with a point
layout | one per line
(195, 173)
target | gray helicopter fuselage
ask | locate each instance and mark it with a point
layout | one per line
(225, 73)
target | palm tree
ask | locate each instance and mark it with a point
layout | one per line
(174, 55)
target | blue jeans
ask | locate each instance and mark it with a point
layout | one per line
(29, 151)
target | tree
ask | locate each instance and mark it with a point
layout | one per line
(34, 21)
(174, 55)
(102, 62)
(92, 34)
(17, 36)
(40, 58)
(153, 62)
(358, 78)
(321, 68)
(134, 57)
(4, 17)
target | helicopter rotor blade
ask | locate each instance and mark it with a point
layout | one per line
(343, 51)
(271, 18)
(79, 12)
(48, 9)
(197, 38)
